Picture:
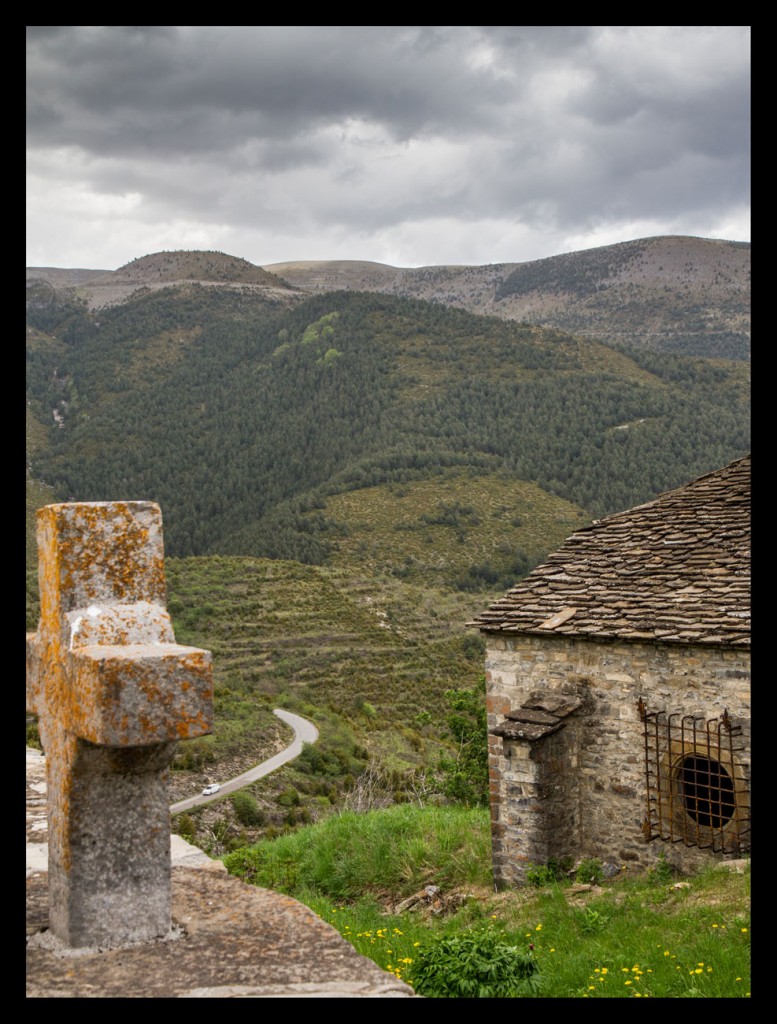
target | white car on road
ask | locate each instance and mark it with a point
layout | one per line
(210, 790)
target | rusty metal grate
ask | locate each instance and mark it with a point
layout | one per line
(697, 791)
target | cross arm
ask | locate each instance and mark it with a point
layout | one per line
(139, 694)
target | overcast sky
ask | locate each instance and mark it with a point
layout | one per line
(412, 146)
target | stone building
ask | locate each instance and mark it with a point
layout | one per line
(618, 689)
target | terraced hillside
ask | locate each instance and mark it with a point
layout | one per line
(298, 636)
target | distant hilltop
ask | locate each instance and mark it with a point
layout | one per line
(163, 270)
(192, 265)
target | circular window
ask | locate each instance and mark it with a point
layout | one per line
(707, 790)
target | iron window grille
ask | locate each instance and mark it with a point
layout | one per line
(697, 791)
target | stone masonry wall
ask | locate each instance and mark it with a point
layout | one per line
(581, 792)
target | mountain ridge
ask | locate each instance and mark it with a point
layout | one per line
(635, 291)
(668, 292)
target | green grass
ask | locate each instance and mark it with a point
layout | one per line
(633, 937)
(396, 850)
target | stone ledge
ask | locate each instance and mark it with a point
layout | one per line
(231, 939)
(302, 990)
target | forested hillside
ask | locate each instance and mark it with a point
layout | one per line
(242, 419)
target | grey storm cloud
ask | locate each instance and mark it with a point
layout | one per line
(376, 129)
(211, 88)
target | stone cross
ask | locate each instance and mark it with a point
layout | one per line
(114, 693)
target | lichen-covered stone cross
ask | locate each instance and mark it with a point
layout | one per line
(113, 693)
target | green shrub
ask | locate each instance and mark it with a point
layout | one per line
(33, 736)
(478, 964)
(661, 872)
(591, 921)
(186, 827)
(331, 757)
(590, 870)
(247, 810)
(297, 816)
(540, 875)
(473, 647)
(555, 870)
(194, 754)
(289, 797)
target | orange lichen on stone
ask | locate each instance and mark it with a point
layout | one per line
(143, 683)
(103, 549)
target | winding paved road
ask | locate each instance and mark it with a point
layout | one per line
(304, 732)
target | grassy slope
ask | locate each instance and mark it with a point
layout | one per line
(633, 935)
(435, 531)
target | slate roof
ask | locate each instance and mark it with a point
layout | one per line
(674, 570)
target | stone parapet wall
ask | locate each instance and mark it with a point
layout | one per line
(582, 791)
